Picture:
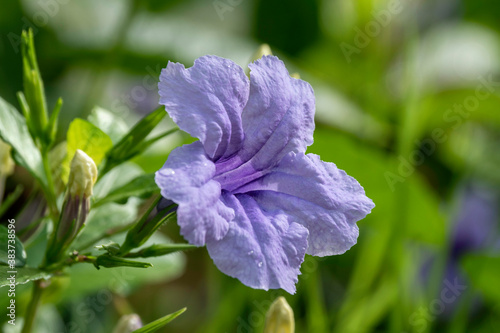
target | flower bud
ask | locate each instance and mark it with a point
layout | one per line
(279, 317)
(263, 50)
(82, 175)
(76, 206)
(128, 324)
(6, 162)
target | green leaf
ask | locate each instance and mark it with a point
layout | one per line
(370, 311)
(103, 219)
(85, 136)
(111, 248)
(14, 247)
(11, 198)
(84, 278)
(159, 323)
(109, 123)
(408, 211)
(108, 261)
(110, 216)
(483, 271)
(130, 144)
(145, 227)
(141, 187)
(24, 275)
(116, 178)
(14, 131)
(158, 250)
(53, 121)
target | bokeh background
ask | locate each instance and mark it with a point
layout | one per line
(408, 102)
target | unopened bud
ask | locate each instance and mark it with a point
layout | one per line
(76, 206)
(279, 317)
(263, 50)
(6, 161)
(82, 175)
(128, 324)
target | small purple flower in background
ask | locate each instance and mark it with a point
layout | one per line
(247, 190)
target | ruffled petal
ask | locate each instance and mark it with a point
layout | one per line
(318, 195)
(279, 115)
(186, 179)
(278, 119)
(261, 248)
(206, 101)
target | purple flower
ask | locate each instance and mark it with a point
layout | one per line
(247, 190)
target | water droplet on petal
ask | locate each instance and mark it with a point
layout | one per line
(259, 264)
(168, 172)
(250, 253)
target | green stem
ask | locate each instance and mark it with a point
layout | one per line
(2, 189)
(32, 306)
(104, 235)
(50, 189)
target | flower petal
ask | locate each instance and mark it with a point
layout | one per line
(279, 115)
(206, 101)
(278, 119)
(186, 179)
(261, 248)
(318, 195)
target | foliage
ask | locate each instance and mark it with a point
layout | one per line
(402, 93)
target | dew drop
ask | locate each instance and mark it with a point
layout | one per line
(259, 264)
(168, 172)
(250, 253)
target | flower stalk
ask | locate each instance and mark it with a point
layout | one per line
(6, 166)
(31, 311)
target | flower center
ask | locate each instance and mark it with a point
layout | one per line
(232, 174)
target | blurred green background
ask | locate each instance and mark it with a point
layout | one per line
(408, 102)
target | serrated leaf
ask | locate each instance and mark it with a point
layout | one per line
(23, 275)
(85, 136)
(141, 187)
(14, 131)
(159, 323)
(6, 247)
